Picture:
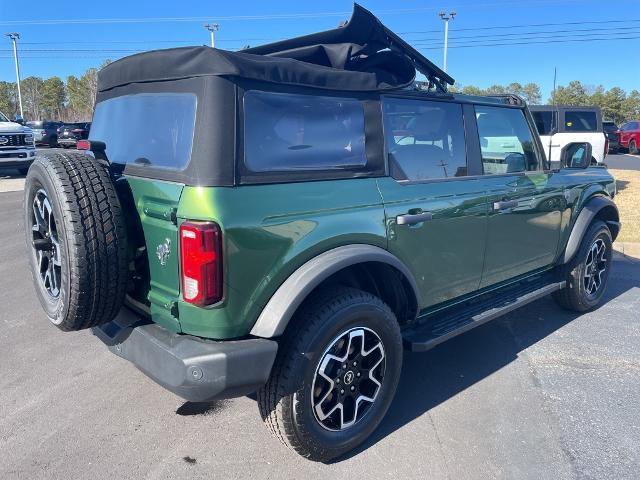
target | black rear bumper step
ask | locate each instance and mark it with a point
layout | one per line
(444, 325)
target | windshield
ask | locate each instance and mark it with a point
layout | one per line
(3, 117)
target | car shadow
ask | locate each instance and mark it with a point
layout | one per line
(431, 378)
(10, 174)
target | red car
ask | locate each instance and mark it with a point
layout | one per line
(629, 135)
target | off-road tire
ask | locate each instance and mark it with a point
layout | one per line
(285, 401)
(633, 148)
(91, 234)
(574, 296)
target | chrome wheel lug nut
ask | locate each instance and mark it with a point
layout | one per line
(358, 374)
(341, 392)
(355, 364)
(353, 388)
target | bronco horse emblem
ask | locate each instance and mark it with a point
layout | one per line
(163, 251)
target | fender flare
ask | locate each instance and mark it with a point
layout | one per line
(585, 217)
(285, 301)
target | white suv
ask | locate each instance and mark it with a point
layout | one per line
(560, 125)
(17, 148)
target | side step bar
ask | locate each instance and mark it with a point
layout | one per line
(426, 335)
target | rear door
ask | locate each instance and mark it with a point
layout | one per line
(525, 203)
(435, 209)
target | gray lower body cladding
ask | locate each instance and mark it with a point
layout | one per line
(196, 369)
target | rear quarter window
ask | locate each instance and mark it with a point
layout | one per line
(154, 129)
(289, 133)
(580, 121)
(545, 121)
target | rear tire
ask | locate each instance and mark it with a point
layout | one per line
(588, 271)
(76, 240)
(336, 325)
(633, 148)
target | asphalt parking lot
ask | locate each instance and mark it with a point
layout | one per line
(540, 394)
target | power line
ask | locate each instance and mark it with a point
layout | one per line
(496, 27)
(475, 45)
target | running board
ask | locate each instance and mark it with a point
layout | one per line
(441, 327)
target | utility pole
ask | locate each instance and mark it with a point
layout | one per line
(213, 27)
(14, 37)
(446, 19)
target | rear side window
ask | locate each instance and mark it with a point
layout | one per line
(545, 121)
(154, 129)
(424, 139)
(286, 132)
(506, 142)
(580, 121)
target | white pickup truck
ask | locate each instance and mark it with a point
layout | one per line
(17, 148)
(560, 125)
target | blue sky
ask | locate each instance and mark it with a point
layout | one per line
(88, 34)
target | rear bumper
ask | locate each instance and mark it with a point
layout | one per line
(67, 141)
(196, 369)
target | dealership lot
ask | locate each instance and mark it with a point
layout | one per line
(541, 393)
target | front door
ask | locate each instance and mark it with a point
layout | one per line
(525, 204)
(435, 212)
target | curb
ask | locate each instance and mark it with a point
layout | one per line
(628, 249)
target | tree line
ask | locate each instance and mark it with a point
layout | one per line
(615, 103)
(69, 100)
(72, 99)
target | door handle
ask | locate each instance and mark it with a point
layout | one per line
(413, 218)
(505, 204)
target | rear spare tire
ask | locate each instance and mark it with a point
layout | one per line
(76, 239)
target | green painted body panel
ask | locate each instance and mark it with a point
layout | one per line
(156, 203)
(444, 254)
(269, 231)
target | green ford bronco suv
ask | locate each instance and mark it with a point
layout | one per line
(287, 218)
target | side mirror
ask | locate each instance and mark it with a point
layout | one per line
(576, 155)
(19, 120)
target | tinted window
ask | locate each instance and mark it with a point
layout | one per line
(577, 121)
(424, 140)
(545, 121)
(285, 132)
(609, 127)
(506, 142)
(153, 129)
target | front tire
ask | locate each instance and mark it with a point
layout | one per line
(335, 375)
(633, 148)
(588, 272)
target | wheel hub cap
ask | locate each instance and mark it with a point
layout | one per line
(45, 244)
(348, 378)
(595, 266)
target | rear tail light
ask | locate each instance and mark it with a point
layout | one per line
(83, 145)
(201, 262)
(606, 145)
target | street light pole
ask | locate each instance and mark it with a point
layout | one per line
(446, 19)
(213, 27)
(14, 37)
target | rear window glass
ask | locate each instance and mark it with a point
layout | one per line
(545, 121)
(577, 121)
(284, 132)
(154, 129)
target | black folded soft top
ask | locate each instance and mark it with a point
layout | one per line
(363, 55)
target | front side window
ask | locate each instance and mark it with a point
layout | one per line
(580, 121)
(506, 142)
(286, 132)
(146, 130)
(545, 121)
(424, 139)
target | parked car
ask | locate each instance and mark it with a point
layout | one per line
(284, 221)
(611, 131)
(17, 149)
(45, 132)
(70, 133)
(561, 125)
(629, 135)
